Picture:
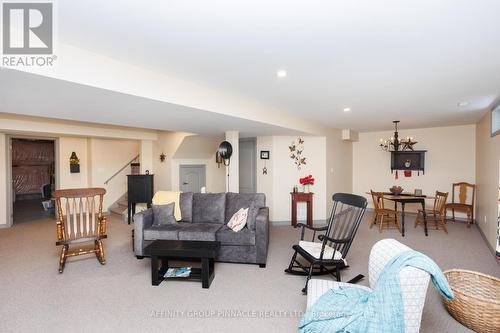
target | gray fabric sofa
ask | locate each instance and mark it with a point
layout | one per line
(204, 217)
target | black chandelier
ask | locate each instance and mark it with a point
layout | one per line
(395, 143)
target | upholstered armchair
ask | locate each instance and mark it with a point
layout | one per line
(414, 282)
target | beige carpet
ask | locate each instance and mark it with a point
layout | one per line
(118, 297)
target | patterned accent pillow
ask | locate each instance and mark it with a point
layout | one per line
(238, 220)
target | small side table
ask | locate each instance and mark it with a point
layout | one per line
(302, 197)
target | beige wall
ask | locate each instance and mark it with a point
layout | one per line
(107, 156)
(4, 211)
(283, 175)
(72, 136)
(215, 177)
(167, 143)
(338, 166)
(67, 145)
(487, 169)
(146, 152)
(185, 148)
(99, 159)
(450, 158)
(265, 182)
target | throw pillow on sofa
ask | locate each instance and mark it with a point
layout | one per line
(238, 220)
(235, 201)
(164, 214)
(166, 197)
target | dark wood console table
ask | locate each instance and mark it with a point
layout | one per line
(302, 197)
(140, 190)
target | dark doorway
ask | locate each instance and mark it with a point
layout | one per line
(33, 179)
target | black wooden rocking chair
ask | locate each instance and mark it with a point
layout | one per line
(328, 255)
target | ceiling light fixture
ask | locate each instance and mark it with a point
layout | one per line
(347, 109)
(281, 73)
(395, 143)
(462, 104)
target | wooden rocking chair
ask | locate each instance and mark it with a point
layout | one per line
(328, 255)
(79, 222)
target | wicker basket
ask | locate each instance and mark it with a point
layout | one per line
(477, 300)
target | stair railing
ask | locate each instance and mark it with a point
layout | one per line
(121, 169)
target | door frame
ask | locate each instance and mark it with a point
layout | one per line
(10, 191)
(254, 165)
(192, 166)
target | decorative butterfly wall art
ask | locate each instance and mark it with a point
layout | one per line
(296, 150)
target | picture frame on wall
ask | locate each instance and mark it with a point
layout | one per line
(264, 154)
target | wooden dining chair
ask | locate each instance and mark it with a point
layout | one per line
(382, 214)
(435, 215)
(79, 222)
(464, 202)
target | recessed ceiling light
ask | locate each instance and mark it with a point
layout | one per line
(347, 109)
(463, 103)
(281, 73)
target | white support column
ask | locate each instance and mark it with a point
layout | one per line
(233, 170)
(146, 158)
(4, 211)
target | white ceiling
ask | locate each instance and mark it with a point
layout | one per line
(35, 95)
(408, 60)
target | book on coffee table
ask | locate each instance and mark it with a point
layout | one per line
(176, 272)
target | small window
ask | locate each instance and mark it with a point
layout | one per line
(495, 121)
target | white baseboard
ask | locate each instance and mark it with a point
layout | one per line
(285, 223)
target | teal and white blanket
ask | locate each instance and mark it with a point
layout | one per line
(355, 310)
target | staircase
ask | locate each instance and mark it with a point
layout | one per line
(119, 208)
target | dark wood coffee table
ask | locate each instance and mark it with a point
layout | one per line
(163, 250)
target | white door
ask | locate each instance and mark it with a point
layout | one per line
(191, 178)
(248, 166)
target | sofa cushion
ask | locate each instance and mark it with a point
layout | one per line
(226, 236)
(186, 206)
(209, 207)
(199, 231)
(166, 231)
(166, 197)
(164, 214)
(254, 201)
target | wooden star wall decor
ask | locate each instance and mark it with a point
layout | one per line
(408, 145)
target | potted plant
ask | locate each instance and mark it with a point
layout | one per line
(306, 182)
(74, 163)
